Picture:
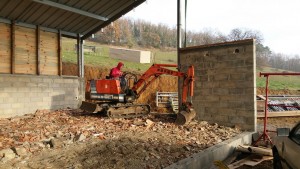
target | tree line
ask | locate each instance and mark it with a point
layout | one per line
(139, 33)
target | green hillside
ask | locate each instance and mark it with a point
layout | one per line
(278, 82)
(101, 58)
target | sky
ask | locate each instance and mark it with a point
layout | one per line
(277, 20)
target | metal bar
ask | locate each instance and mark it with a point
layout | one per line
(280, 114)
(59, 53)
(38, 45)
(71, 9)
(265, 135)
(282, 105)
(80, 57)
(279, 74)
(266, 107)
(12, 46)
(179, 25)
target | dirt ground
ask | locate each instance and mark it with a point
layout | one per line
(73, 139)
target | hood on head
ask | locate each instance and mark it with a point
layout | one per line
(120, 64)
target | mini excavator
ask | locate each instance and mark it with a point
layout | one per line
(116, 98)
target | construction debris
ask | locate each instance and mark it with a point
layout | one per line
(245, 155)
(251, 160)
(255, 150)
(49, 139)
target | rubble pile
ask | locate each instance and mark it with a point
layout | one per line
(71, 139)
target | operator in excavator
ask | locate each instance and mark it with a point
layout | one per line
(116, 72)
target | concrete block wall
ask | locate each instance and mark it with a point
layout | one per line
(225, 84)
(23, 94)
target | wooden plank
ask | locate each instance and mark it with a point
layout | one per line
(5, 44)
(48, 46)
(48, 68)
(24, 30)
(26, 50)
(280, 114)
(25, 41)
(249, 161)
(49, 53)
(51, 64)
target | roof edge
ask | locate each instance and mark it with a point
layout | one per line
(218, 44)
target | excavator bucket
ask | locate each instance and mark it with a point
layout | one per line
(184, 117)
(90, 107)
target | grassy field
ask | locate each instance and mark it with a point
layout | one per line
(278, 82)
(101, 58)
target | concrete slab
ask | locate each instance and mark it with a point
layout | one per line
(205, 158)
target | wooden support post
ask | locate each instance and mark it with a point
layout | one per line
(59, 53)
(38, 46)
(12, 46)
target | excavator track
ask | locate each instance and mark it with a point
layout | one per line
(128, 110)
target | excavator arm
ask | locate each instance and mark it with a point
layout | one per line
(187, 112)
(160, 69)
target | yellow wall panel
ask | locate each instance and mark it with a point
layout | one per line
(5, 52)
(49, 61)
(25, 50)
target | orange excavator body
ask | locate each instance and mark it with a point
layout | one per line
(109, 90)
(109, 86)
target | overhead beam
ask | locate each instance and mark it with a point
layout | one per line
(115, 17)
(71, 9)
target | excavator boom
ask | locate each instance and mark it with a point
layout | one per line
(187, 112)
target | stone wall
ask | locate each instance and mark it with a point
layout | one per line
(225, 84)
(22, 94)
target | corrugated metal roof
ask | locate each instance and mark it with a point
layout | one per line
(72, 17)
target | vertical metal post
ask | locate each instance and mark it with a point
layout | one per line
(179, 45)
(82, 59)
(80, 63)
(266, 138)
(179, 26)
(266, 108)
(80, 56)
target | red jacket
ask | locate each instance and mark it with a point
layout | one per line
(116, 71)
